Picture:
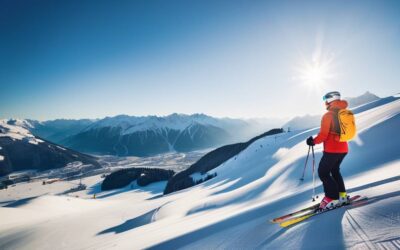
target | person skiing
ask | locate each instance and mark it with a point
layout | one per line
(333, 154)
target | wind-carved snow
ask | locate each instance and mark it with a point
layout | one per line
(380, 114)
(233, 209)
(358, 140)
(280, 153)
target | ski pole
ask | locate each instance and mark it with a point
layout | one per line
(313, 170)
(305, 165)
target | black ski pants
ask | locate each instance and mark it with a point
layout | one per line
(329, 173)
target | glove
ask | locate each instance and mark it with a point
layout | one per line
(310, 141)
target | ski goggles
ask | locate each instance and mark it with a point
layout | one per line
(331, 96)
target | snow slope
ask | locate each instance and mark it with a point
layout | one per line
(307, 121)
(232, 210)
(17, 130)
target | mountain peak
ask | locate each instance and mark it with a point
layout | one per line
(362, 99)
(367, 93)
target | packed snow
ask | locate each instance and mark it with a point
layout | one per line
(230, 211)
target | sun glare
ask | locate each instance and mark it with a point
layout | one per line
(314, 74)
(317, 72)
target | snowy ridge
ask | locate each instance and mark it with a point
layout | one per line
(21, 150)
(132, 124)
(362, 99)
(311, 121)
(17, 130)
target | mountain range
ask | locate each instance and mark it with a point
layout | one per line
(20, 150)
(125, 135)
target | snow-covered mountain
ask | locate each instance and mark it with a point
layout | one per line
(17, 129)
(303, 122)
(141, 136)
(57, 130)
(132, 124)
(20, 150)
(125, 135)
(232, 210)
(362, 99)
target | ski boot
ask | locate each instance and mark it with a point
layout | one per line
(328, 203)
(343, 198)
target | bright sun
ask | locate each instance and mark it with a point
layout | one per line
(316, 73)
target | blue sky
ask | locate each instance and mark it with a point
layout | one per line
(91, 59)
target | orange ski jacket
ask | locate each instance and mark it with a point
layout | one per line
(327, 133)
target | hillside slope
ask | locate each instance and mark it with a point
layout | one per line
(262, 184)
(210, 161)
(232, 210)
(20, 150)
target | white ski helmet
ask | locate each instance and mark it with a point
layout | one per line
(331, 96)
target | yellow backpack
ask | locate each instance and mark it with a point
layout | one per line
(347, 125)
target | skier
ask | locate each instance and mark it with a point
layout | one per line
(333, 154)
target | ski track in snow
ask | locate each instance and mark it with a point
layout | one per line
(230, 211)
